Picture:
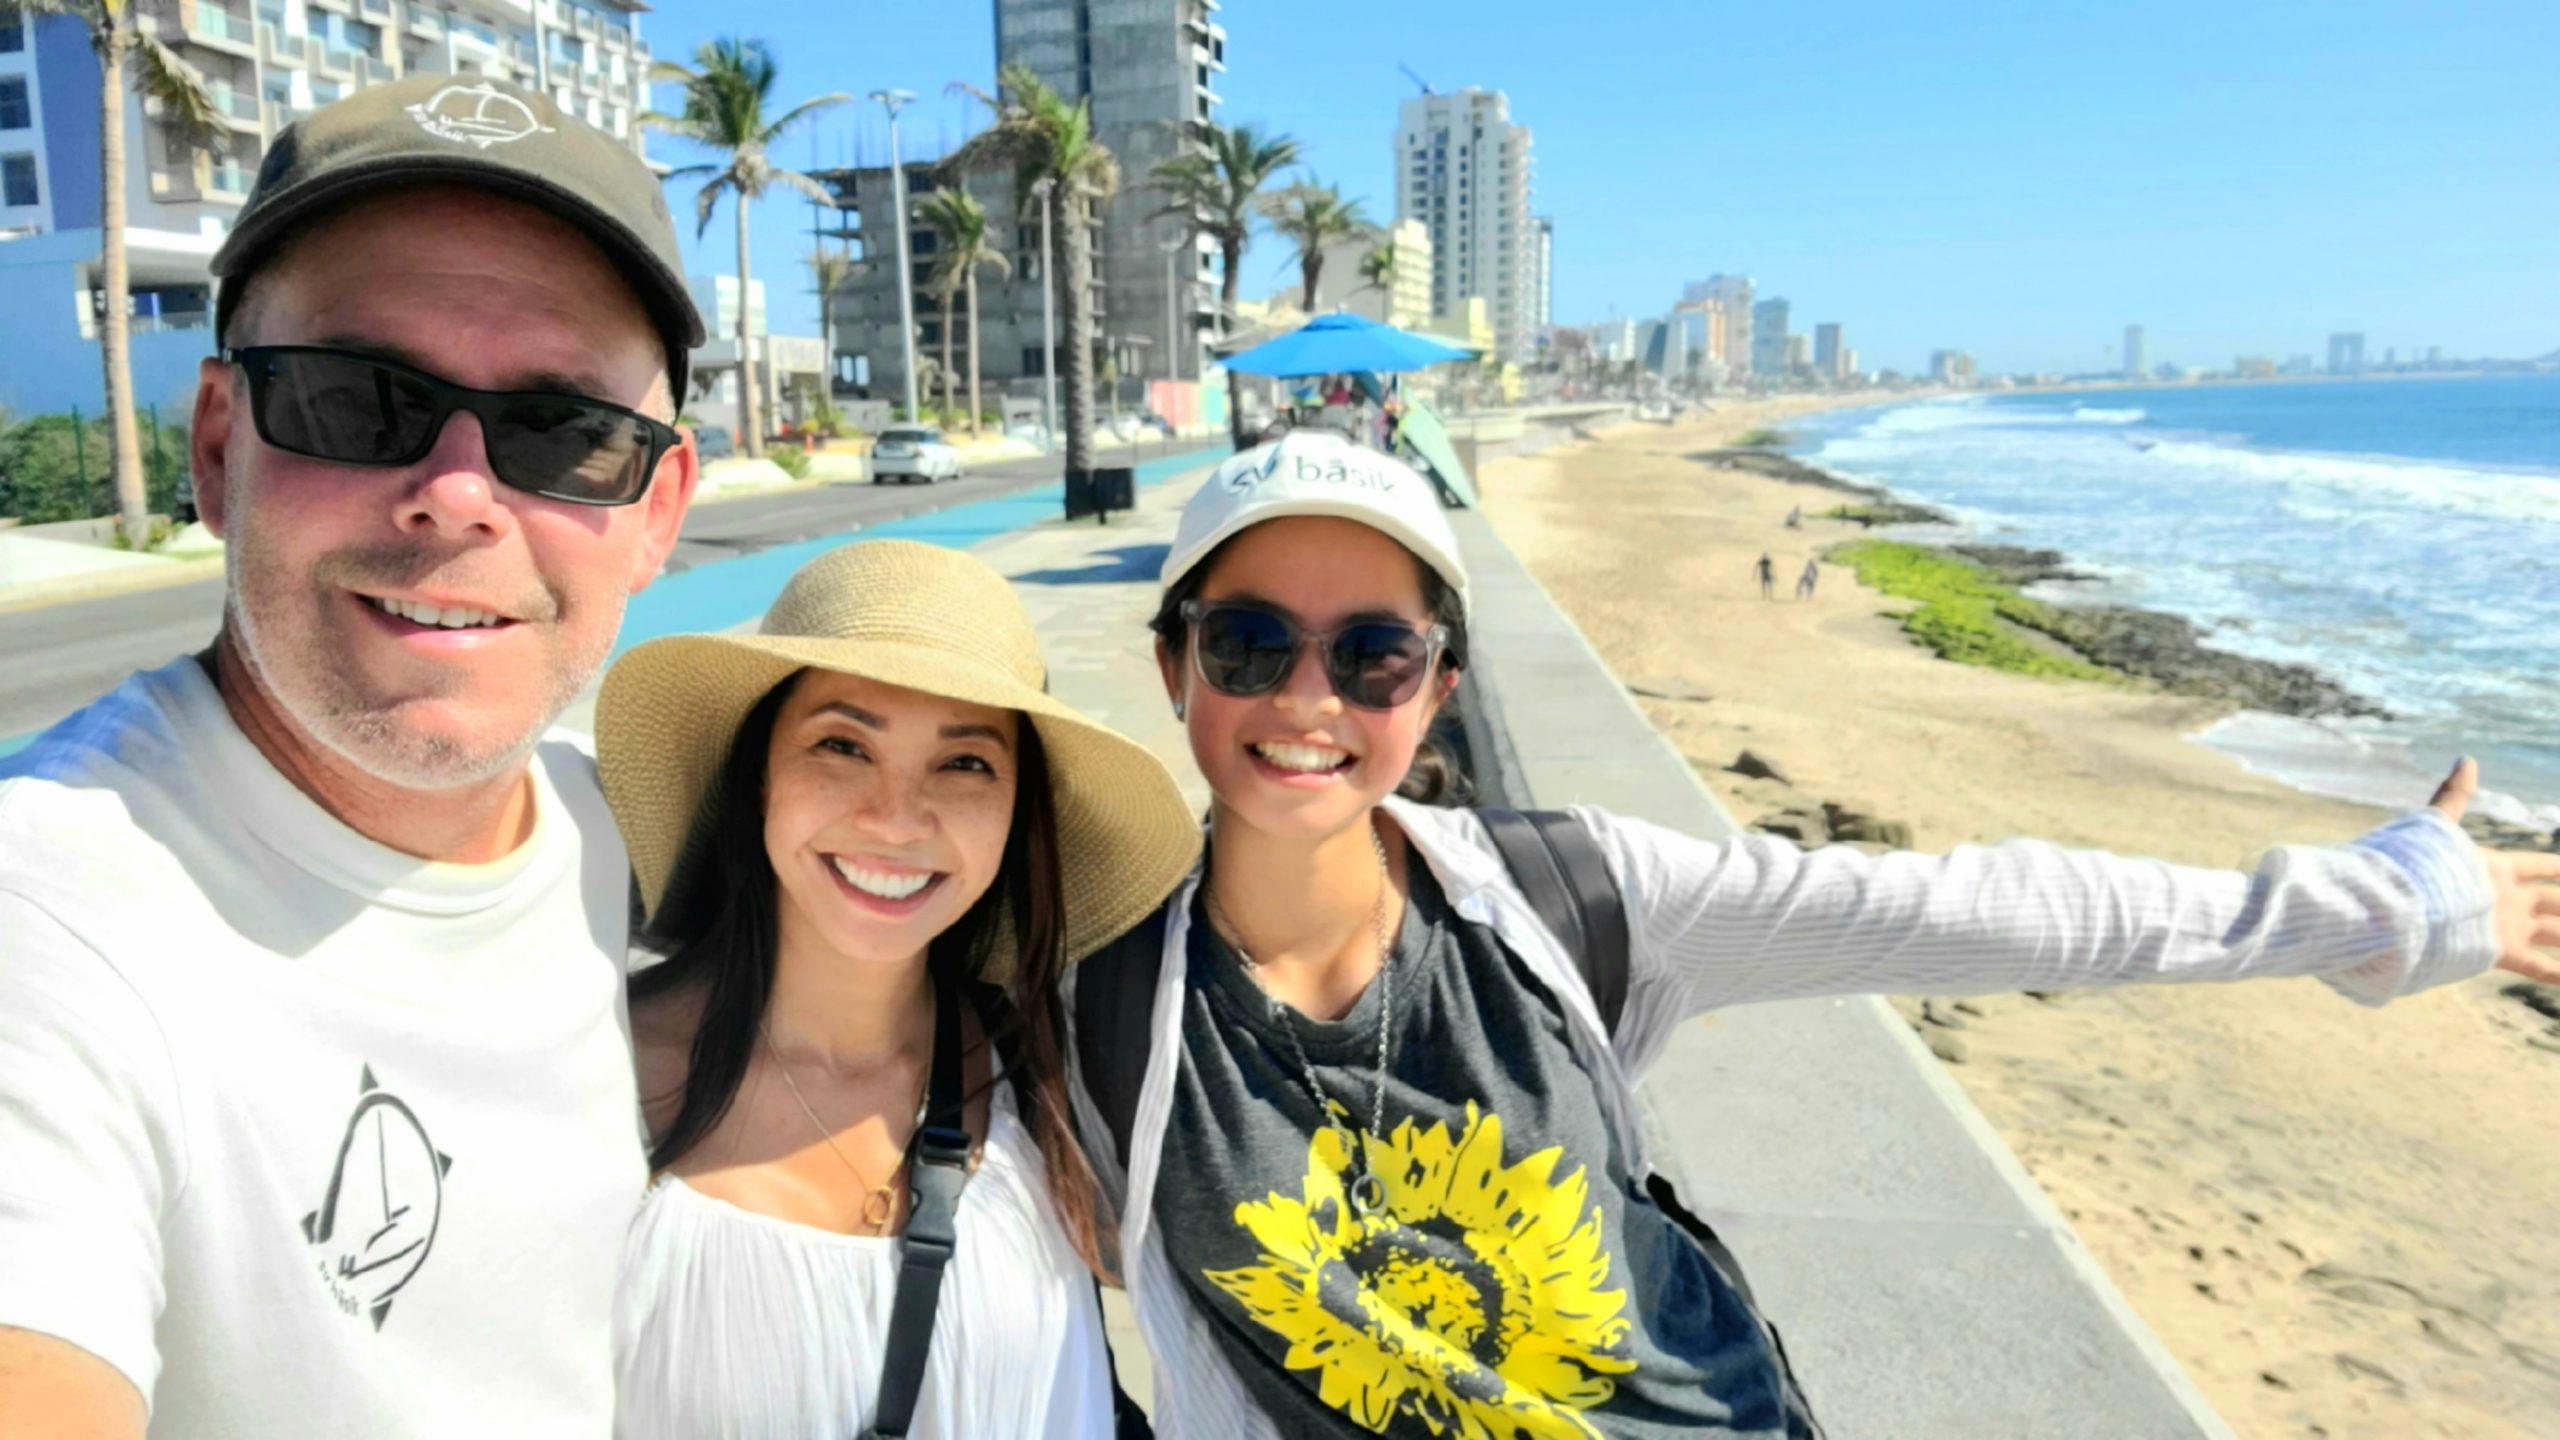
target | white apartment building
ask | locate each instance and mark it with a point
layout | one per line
(265, 62)
(1463, 170)
(1404, 301)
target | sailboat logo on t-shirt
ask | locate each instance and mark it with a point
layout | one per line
(385, 1198)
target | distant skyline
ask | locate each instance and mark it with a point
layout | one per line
(2017, 180)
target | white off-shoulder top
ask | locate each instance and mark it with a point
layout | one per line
(737, 1324)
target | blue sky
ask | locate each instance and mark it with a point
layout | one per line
(2017, 179)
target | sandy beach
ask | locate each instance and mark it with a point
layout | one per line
(2339, 1220)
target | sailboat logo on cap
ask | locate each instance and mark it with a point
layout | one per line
(476, 115)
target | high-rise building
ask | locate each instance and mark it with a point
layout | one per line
(264, 65)
(1951, 367)
(1463, 169)
(1768, 345)
(1709, 329)
(1799, 355)
(1733, 292)
(1666, 348)
(863, 317)
(1827, 351)
(2134, 366)
(2346, 353)
(1148, 69)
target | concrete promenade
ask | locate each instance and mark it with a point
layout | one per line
(1926, 1288)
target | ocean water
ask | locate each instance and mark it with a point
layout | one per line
(2401, 536)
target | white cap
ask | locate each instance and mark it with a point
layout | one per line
(1313, 472)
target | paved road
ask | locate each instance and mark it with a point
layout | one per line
(54, 660)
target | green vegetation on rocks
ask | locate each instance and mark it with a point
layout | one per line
(1965, 615)
(1762, 439)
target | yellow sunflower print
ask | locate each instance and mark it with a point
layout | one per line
(1470, 1302)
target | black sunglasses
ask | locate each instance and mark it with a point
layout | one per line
(351, 409)
(1242, 649)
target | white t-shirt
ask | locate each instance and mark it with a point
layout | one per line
(303, 1135)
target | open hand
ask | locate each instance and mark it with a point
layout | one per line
(2524, 889)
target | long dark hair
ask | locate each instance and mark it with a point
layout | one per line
(1433, 778)
(719, 927)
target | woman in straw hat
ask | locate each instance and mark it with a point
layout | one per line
(868, 844)
(1365, 1085)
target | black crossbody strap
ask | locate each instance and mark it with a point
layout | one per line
(937, 1171)
(1115, 1018)
(1560, 870)
(1607, 944)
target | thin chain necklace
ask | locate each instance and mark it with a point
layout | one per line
(1368, 1192)
(879, 1202)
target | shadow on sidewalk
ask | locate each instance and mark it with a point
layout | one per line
(1126, 565)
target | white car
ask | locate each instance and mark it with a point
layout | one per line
(913, 452)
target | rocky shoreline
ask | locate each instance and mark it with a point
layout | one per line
(2163, 649)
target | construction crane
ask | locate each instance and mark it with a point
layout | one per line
(1416, 79)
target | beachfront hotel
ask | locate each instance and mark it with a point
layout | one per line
(265, 64)
(1462, 170)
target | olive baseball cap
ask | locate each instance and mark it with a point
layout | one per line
(470, 130)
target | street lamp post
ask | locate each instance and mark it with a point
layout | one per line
(891, 101)
(1041, 191)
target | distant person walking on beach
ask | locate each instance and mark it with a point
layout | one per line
(1768, 573)
(1795, 518)
(1805, 582)
(1396, 1065)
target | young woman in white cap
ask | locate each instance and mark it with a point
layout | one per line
(1376, 1158)
(868, 843)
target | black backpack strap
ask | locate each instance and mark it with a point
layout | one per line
(1115, 1012)
(937, 1171)
(1560, 868)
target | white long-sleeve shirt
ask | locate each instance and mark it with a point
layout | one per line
(1754, 918)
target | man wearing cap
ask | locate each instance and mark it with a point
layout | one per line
(316, 1111)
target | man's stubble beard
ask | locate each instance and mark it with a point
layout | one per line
(328, 702)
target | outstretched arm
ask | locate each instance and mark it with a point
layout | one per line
(2410, 905)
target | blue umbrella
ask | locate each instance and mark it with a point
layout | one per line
(1343, 345)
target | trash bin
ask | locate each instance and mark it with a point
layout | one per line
(1099, 492)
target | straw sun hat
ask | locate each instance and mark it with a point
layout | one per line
(906, 614)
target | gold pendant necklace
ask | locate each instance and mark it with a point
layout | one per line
(879, 1202)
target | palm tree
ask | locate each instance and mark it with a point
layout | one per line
(187, 110)
(960, 226)
(829, 272)
(1313, 215)
(726, 90)
(1378, 272)
(1214, 195)
(1041, 137)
